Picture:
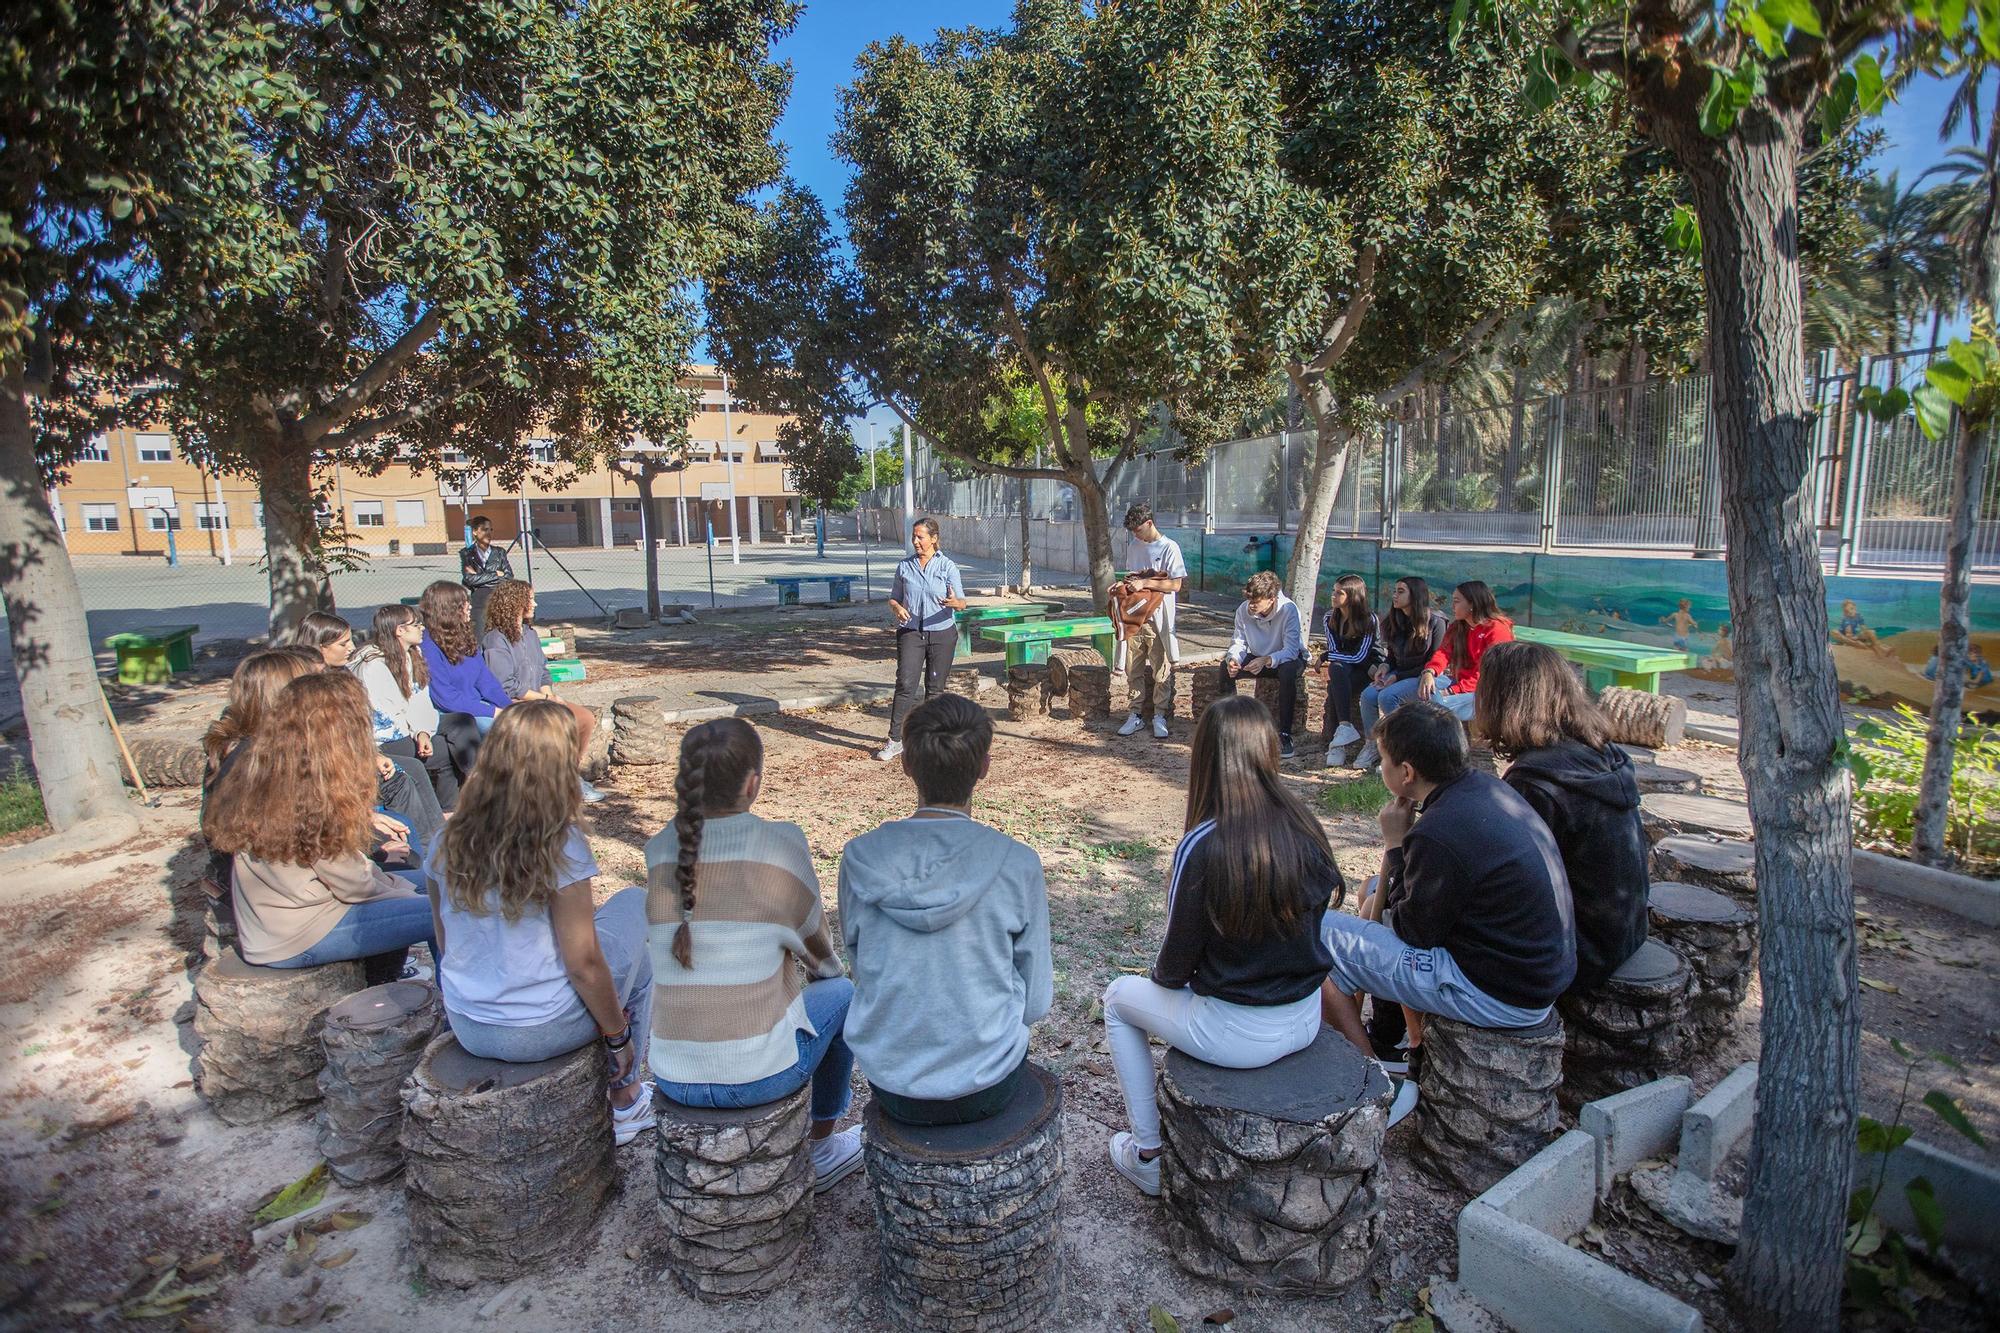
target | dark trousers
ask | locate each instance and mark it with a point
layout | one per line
(437, 766)
(409, 797)
(1288, 688)
(480, 596)
(964, 1110)
(458, 737)
(1343, 697)
(923, 660)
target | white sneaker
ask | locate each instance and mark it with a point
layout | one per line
(1125, 1160)
(629, 1122)
(591, 795)
(889, 751)
(1368, 757)
(1345, 734)
(1132, 725)
(1336, 756)
(835, 1157)
(1406, 1101)
(1159, 728)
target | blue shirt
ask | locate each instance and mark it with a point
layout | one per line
(921, 590)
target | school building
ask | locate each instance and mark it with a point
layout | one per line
(136, 489)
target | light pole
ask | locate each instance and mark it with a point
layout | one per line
(729, 462)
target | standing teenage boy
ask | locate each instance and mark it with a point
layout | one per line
(1156, 565)
(946, 923)
(1268, 641)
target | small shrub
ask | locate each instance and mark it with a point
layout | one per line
(20, 802)
(1889, 765)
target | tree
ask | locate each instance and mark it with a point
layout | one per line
(1906, 254)
(493, 217)
(642, 467)
(1732, 96)
(118, 172)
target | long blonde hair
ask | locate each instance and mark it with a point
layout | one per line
(515, 813)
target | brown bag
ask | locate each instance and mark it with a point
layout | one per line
(1132, 607)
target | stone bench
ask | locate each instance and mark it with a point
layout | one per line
(506, 1165)
(1724, 865)
(260, 1033)
(1628, 1031)
(735, 1191)
(1486, 1099)
(971, 1215)
(372, 1040)
(1268, 1175)
(1717, 935)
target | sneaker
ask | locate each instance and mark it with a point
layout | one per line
(1125, 1160)
(1159, 728)
(1345, 735)
(1132, 725)
(1336, 756)
(629, 1122)
(889, 751)
(1406, 1101)
(591, 795)
(1368, 758)
(835, 1158)
(1285, 750)
(1394, 1060)
(414, 971)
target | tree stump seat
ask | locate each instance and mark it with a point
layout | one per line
(971, 1215)
(259, 1029)
(1205, 687)
(637, 734)
(1028, 691)
(1268, 1175)
(1672, 814)
(1722, 864)
(735, 1192)
(1486, 1099)
(372, 1039)
(1640, 717)
(1628, 1031)
(1717, 935)
(506, 1165)
(1654, 777)
(968, 681)
(1080, 678)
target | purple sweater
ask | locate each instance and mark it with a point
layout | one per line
(466, 687)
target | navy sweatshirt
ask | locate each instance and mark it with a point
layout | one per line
(1590, 801)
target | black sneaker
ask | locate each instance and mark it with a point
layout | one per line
(1393, 1059)
(1285, 750)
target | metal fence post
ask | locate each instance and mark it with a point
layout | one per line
(1392, 470)
(1552, 466)
(1709, 539)
(1853, 493)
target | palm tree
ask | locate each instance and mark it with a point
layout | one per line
(1909, 262)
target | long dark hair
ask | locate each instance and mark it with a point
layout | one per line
(1352, 612)
(1414, 624)
(406, 665)
(716, 758)
(318, 629)
(1480, 602)
(446, 610)
(1274, 849)
(1529, 698)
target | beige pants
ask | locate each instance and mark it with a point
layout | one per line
(1147, 646)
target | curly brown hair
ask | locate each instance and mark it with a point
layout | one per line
(253, 691)
(505, 837)
(447, 611)
(304, 790)
(507, 608)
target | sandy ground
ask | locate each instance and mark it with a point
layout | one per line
(115, 1176)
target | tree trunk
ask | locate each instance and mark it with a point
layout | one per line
(1026, 583)
(291, 537)
(1789, 1270)
(644, 481)
(76, 762)
(1332, 444)
(1096, 529)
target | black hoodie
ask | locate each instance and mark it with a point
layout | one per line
(1590, 801)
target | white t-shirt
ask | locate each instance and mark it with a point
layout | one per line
(509, 975)
(1163, 555)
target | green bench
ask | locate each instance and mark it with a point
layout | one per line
(975, 618)
(153, 654)
(1030, 641)
(1607, 661)
(565, 670)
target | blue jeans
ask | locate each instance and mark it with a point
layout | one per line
(1458, 705)
(1378, 700)
(381, 925)
(824, 1059)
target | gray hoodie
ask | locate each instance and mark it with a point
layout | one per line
(946, 923)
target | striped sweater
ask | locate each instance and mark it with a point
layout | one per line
(759, 930)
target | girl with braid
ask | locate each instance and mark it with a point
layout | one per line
(737, 930)
(532, 971)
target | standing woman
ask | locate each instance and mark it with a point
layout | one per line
(513, 652)
(391, 668)
(1238, 976)
(328, 635)
(296, 815)
(481, 566)
(531, 969)
(926, 591)
(1411, 633)
(463, 691)
(1476, 625)
(1353, 651)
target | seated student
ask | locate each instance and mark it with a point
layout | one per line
(946, 923)
(1476, 922)
(513, 652)
(1238, 975)
(253, 691)
(1534, 712)
(295, 812)
(1476, 625)
(328, 635)
(463, 689)
(1268, 640)
(749, 996)
(391, 668)
(1411, 633)
(1353, 653)
(531, 970)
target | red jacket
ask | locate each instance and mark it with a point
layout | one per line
(1478, 638)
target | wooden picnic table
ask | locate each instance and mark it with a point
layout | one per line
(974, 618)
(1609, 661)
(839, 587)
(1030, 641)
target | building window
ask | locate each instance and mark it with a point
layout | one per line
(163, 520)
(542, 451)
(367, 513)
(211, 517)
(155, 448)
(768, 452)
(257, 514)
(552, 507)
(410, 514)
(625, 506)
(100, 518)
(97, 451)
(454, 458)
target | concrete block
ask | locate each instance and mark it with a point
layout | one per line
(1633, 1125)
(1532, 1281)
(1968, 1192)
(1555, 1191)
(1974, 899)
(1713, 1126)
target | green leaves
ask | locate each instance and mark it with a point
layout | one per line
(1729, 95)
(294, 1198)
(1953, 1114)
(1684, 231)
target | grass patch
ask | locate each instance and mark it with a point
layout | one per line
(1362, 796)
(20, 802)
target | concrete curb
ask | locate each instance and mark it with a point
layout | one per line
(1967, 1193)
(1631, 1126)
(1702, 731)
(846, 696)
(1962, 895)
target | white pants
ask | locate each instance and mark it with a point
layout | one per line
(1235, 1036)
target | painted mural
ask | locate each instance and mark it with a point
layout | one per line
(1883, 630)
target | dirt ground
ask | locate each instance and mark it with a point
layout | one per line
(115, 1176)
